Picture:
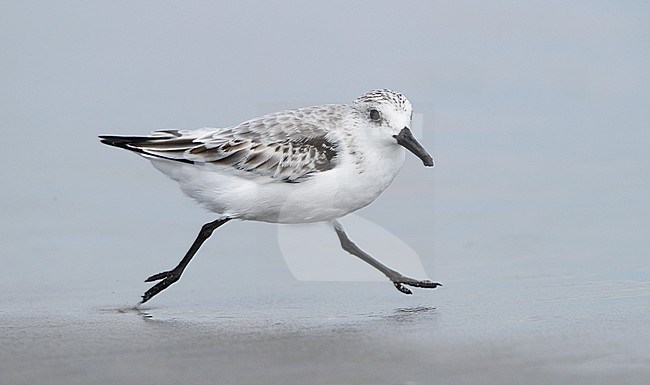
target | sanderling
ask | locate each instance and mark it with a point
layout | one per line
(306, 165)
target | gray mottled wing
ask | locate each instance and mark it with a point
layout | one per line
(287, 146)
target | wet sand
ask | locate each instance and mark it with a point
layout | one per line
(539, 330)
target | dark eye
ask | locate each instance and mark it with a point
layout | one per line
(375, 115)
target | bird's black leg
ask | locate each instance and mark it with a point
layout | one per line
(398, 279)
(171, 276)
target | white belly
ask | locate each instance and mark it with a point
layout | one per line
(323, 196)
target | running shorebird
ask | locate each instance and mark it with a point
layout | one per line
(306, 165)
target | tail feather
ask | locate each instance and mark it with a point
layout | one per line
(138, 144)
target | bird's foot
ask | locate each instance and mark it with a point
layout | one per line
(399, 283)
(166, 278)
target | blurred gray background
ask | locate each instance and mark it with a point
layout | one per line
(535, 217)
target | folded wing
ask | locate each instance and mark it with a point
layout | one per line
(286, 146)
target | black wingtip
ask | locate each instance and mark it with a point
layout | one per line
(121, 141)
(130, 143)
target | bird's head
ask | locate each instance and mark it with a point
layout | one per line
(387, 119)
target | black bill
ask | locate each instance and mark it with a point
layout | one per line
(405, 139)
